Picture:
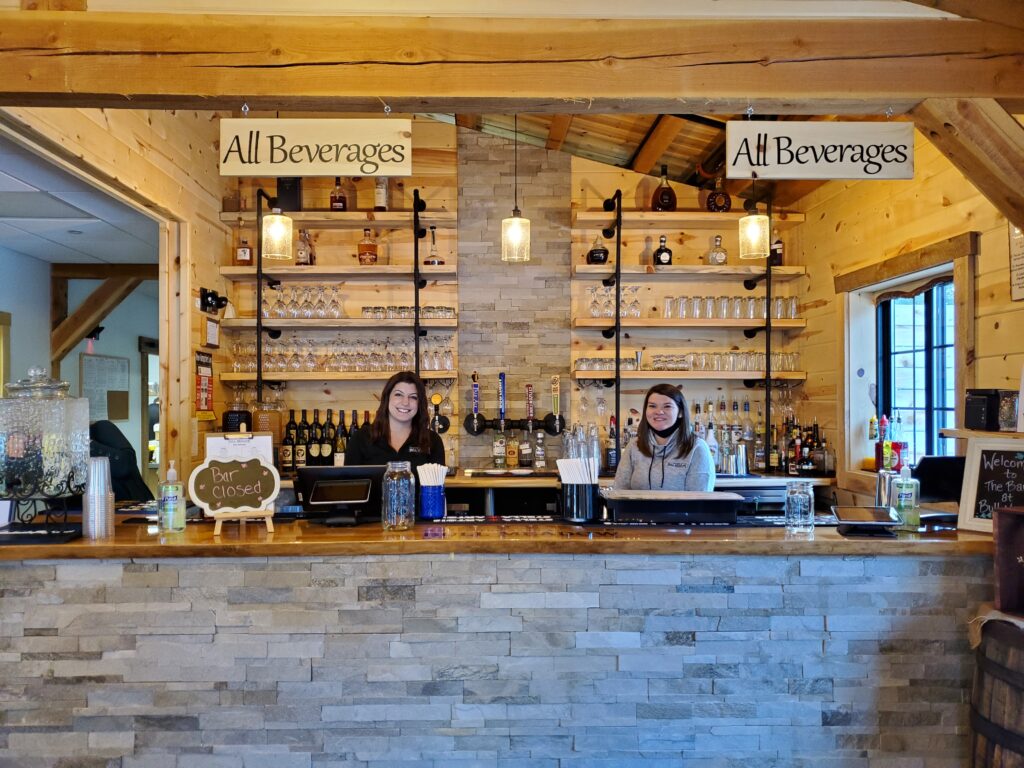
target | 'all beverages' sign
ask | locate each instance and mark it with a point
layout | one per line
(810, 150)
(271, 147)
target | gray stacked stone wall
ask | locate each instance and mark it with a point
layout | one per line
(539, 661)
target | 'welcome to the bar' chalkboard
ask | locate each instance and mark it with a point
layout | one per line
(994, 478)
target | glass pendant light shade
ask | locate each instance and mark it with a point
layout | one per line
(277, 236)
(515, 238)
(754, 236)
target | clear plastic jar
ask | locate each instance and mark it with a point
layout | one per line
(399, 503)
(799, 508)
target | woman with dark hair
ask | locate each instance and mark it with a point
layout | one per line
(666, 454)
(401, 429)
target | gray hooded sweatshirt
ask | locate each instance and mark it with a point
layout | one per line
(663, 470)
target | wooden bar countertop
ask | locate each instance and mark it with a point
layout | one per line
(303, 538)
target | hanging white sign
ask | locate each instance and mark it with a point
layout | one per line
(814, 150)
(271, 147)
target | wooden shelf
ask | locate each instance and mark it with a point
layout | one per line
(699, 375)
(600, 323)
(378, 273)
(965, 434)
(331, 324)
(333, 376)
(678, 219)
(352, 219)
(635, 272)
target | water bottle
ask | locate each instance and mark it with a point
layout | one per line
(399, 497)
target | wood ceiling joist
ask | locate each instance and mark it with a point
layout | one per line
(984, 142)
(1007, 12)
(558, 130)
(97, 305)
(473, 122)
(103, 271)
(466, 64)
(663, 133)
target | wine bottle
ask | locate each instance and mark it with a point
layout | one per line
(313, 443)
(327, 442)
(340, 440)
(291, 427)
(355, 422)
(664, 198)
(286, 454)
(366, 418)
(338, 200)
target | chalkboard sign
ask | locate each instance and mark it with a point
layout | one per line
(235, 485)
(994, 478)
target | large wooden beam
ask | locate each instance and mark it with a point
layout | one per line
(103, 271)
(480, 65)
(984, 142)
(1008, 12)
(660, 138)
(96, 306)
(558, 130)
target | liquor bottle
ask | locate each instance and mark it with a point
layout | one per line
(327, 442)
(304, 254)
(243, 253)
(540, 460)
(773, 458)
(712, 443)
(498, 449)
(717, 255)
(736, 426)
(759, 460)
(662, 255)
(512, 451)
(525, 451)
(722, 420)
(775, 253)
(794, 453)
(433, 259)
(313, 443)
(748, 424)
(286, 454)
(612, 456)
(338, 200)
(366, 251)
(664, 198)
(380, 193)
(698, 424)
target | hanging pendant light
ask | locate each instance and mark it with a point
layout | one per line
(755, 229)
(277, 236)
(515, 230)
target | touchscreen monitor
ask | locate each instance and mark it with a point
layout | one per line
(351, 491)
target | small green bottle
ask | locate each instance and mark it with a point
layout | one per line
(171, 504)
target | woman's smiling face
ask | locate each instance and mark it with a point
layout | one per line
(403, 404)
(662, 412)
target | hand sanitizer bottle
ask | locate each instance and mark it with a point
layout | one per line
(171, 505)
(907, 492)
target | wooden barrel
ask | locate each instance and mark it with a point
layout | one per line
(997, 700)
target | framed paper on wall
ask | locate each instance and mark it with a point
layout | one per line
(994, 477)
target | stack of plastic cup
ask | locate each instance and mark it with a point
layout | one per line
(98, 501)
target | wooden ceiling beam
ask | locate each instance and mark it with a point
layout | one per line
(480, 65)
(657, 141)
(96, 306)
(985, 143)
(558, 130)
(1007, 12)
(103, 271)
(472, 122)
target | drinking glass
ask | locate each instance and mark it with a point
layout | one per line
(670, 303)
(737, 305)
(594, 307)
(634, 301)
(696, 307)
(799, 509)
(722, 307)
(682, 308)
(791, 307)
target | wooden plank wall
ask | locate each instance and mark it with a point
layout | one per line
(165, 162)
(855, 224)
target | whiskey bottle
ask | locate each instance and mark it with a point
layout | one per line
(380, 193)
(664, 198)
(304, 250)
(243, 253)
(367, 249)
(338, 200)
(663, 255)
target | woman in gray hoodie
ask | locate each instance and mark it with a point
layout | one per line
(666, 454)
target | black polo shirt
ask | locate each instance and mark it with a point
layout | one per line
(362, 451)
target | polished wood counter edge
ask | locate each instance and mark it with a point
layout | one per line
(305, 539)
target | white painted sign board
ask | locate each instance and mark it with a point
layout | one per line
(1016, 264)
(816, 150)
(294, 147)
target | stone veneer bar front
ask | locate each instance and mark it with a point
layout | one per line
(751, 656)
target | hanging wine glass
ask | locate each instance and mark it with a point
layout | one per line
(294, 302)
(595, 306)
(334, 309)
(307, 308)
(279, 308)
(634, 301)
(310, 362)
(320, 307)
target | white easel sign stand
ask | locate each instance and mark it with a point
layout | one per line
(238, 480)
